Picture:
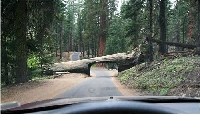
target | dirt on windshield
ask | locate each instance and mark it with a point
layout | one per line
(40, 90)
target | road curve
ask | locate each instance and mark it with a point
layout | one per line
(100, 85)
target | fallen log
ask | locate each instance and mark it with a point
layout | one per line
(123, 60)
(182, 45)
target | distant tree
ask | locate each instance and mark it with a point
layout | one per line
(116, 39)
(150, 49)
(132, 11)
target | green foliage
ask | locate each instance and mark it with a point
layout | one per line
(178, 22)
(116, 41)
(135, 13)
(40, 41)
(55, 26)
(33, 61)
(159, 78)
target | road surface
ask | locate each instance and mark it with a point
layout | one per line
(75, 56)
(100, 85)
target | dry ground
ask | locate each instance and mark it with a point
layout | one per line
(40, 90)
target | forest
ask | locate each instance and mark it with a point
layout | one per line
(35, 33)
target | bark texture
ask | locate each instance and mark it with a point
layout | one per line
(21, 49)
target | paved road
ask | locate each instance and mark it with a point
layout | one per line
(99, 86)
(75, 56)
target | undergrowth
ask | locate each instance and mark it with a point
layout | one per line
(159, 77)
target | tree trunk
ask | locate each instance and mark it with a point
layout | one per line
(57, 40)
(21, 49)
(103, 26)
(70, 40)
(191, 19)
(198, 25)
(198, 21)
(178, 35)
(162, 21)
(88, 50)
(5, 64)
(183, 34)
(83, 48)
(123, 60)
(150, 29)
(61, 39)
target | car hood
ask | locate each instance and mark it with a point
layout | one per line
(65, 101)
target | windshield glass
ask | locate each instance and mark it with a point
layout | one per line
(99, 48)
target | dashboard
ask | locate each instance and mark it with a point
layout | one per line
(111, 105)
(126, 107)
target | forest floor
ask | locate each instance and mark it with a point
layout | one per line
(168, 77)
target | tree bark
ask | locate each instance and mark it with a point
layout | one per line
(198, 25)
(162, 22)
(178, 35)
(61, 39)
(21, 49)
(5, 64)
(70, 40)
(183, 34)
(198, 21)
(150, 29)
(88, 50)
(103, 26)
(191, 19)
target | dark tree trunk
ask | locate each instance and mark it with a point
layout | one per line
(70, 41)
(57, 40)
(198, 25)
(88, 50)
(21, 49)
(61, 40)
(162, 21)
(178, 35)
(83, 49)
(95, 48)
(198, 21)
(183, 34)
(103, 26)
(191, 19)
(5, 65)
(150, 29)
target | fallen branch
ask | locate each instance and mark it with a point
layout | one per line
(182, 45)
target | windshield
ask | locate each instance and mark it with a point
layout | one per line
(99, 48)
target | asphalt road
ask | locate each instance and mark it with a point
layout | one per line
(100, 85)
(75, 56)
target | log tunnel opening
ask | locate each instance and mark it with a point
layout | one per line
(98, 69)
